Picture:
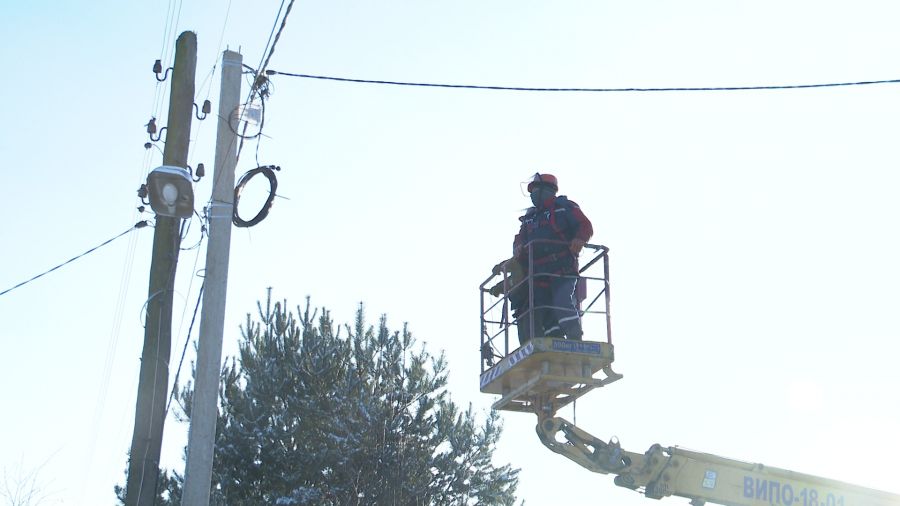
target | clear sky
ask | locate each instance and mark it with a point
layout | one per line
(753, 234)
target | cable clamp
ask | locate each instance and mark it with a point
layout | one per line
(225, 210)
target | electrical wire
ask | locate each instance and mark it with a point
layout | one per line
(197, 135)
(155, 111)
(258, 142)
(269, 172)
(172, 18)
(210, 76)
(277, 36)
(156, 369)
(149, 437)
(106, 373)
(224, 25)
(203, 232)
(260, 84)
(187, 340)
(243, 110)
(595, 90)
(253, 86)
(193, 318)
(212, 71)
(262, 120)
(271, 34)
(109, 360)
(140, 224)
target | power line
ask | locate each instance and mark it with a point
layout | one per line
(277, 36)
(187, 341)
(110, 357)
(224, 24)
(168, 36)
(140, 224)
(208, 80)
(594, 90)
(260, 86)
(253, 84)
(271, 34)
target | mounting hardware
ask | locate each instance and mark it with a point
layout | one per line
(142, 194)
(157, 69)
(151, 129)
(201, 171)
(156, 139)
(206, 108)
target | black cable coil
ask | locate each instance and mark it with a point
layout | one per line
(269, 172)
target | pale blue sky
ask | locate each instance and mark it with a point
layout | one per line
(752, 234)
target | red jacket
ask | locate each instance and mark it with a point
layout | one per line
(560, 220)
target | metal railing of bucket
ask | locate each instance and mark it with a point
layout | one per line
(500, 296)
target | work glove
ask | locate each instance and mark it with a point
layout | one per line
(576, 245)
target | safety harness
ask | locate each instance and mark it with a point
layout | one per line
(542, 224)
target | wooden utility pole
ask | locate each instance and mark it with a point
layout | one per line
(153, 387)
(202, 436)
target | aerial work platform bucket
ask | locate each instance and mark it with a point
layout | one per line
(545, 373)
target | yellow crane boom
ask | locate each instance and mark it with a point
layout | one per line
(702, 477)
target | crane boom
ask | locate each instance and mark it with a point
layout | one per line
(702, 477)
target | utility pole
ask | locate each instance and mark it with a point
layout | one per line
(202, 434)
(153, 387)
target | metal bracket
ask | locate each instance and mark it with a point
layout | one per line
(206, 108)
(159, 135)
(201, 171)
(157, 69)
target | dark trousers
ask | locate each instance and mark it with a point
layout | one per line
(555, 313)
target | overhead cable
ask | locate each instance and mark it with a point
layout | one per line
(140, 224)
(594, 90)
(260, 83)
(187, 341)
(277, 36)
(271, 34)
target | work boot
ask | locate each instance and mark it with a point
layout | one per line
(572, 328)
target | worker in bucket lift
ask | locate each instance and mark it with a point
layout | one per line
(559, 230)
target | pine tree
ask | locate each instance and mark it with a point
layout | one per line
(308, 416)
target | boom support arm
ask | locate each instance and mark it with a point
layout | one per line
(702, 477)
